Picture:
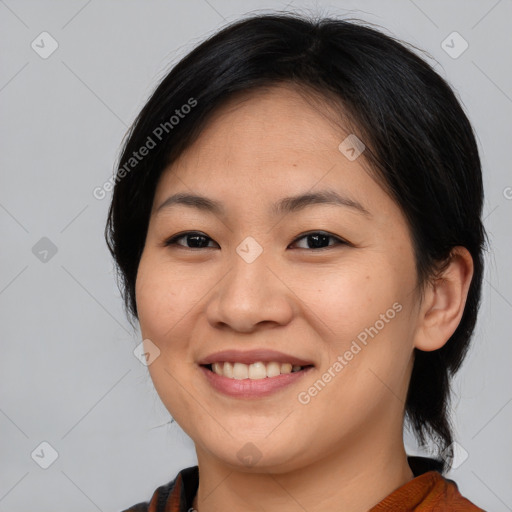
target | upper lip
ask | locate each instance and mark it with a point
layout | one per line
(253, 356)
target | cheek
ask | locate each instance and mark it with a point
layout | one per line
(349, 298)
(163, 298)
(163, 301)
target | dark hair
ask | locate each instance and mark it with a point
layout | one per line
(419, 144)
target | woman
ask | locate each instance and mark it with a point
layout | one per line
(296, 220)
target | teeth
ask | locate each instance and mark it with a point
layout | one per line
(227, 370)
(286, 368)
(257, 371)
(240, 371)
(254, 371)
(273, 369)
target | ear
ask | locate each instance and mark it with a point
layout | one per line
(444, 300)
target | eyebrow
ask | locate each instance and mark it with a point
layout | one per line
(283, 206)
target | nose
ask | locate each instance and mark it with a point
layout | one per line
(251, 295)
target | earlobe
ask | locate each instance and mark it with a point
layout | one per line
(444, 302)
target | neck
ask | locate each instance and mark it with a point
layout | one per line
(354, 479)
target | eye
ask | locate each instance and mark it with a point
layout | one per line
(319, 239)
(196, 239)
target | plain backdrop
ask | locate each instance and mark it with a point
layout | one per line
(69, 378)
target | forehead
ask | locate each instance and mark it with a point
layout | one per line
(274, 131)
(283, 115)
(267, 144)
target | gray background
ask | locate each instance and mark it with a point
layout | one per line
(68, 374)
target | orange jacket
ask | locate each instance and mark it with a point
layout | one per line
(429, 491)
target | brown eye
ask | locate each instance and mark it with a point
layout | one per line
(194, 239)
(319, 240)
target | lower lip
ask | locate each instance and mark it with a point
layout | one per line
(249, 388)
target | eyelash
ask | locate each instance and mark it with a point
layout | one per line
(173, 240)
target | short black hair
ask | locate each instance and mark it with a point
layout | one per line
(419, 143)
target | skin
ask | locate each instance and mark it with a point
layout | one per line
(344, 449)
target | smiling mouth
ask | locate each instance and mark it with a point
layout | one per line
(255, 371)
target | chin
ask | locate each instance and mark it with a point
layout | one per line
(261, 454)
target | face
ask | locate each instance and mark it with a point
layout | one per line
(261, 284)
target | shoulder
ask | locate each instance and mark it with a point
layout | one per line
(159, 498)
(428, 492)
(448, 497)
(140, 507)
(440, 492)
(177, 492)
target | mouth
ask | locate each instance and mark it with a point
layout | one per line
(248, 382)
(255, 371)
(252, 374)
